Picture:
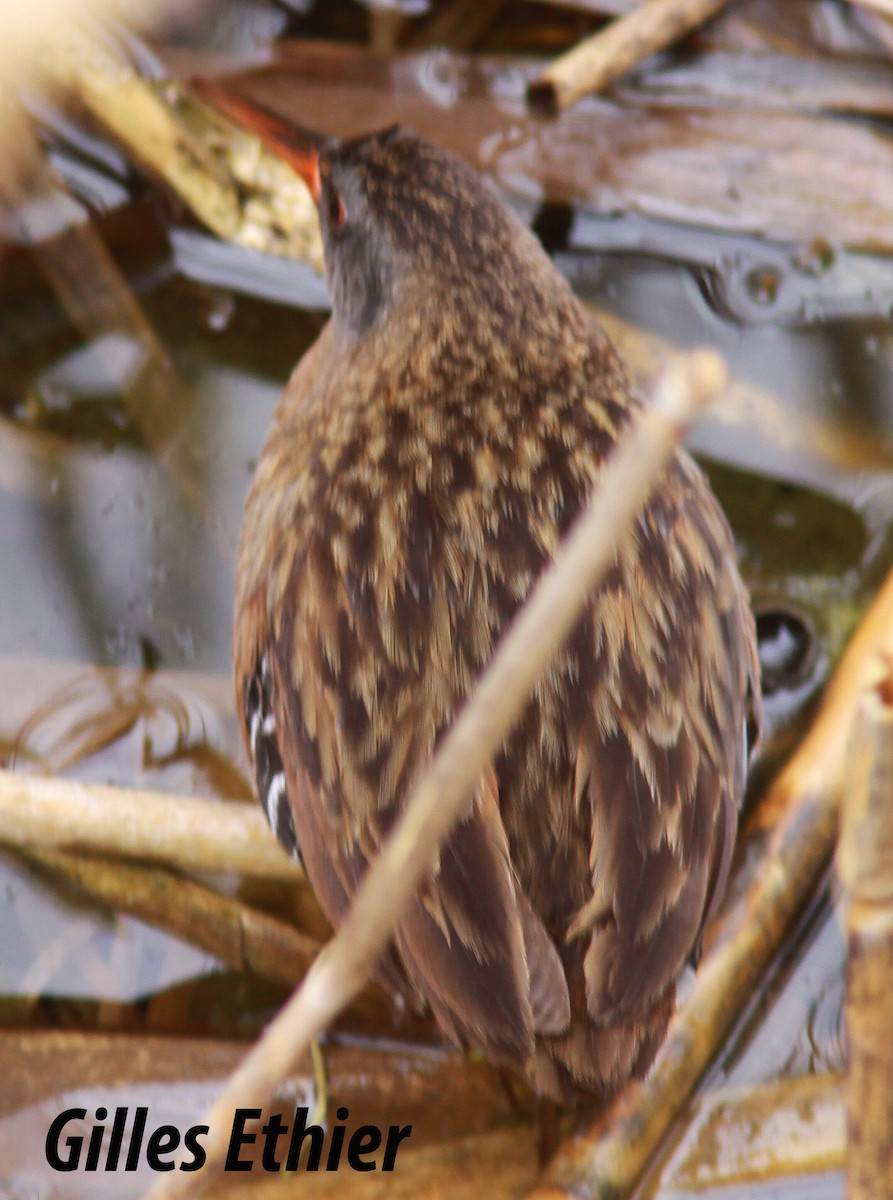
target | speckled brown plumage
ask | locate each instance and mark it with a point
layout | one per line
(427, 455)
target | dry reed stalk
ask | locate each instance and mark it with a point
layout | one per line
(179, 831)
(239, 936)
(602, 58)
(865, 864)
(762, 1131)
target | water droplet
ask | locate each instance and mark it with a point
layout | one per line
(814, 258)
(763, 284)
(185, 643)
(220, 312)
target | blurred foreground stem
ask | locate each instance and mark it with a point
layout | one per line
(179, 831)
(865, 863)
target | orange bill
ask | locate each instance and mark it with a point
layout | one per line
(297, 146)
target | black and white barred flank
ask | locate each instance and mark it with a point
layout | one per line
(268, 771)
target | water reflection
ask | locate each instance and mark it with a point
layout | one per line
(113, 958)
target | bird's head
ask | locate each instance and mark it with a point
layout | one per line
(400, 217)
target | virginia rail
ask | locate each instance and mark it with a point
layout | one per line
(427, 455)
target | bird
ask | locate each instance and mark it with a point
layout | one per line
(429, 452)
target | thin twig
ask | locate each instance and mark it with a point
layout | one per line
(180, 831)
(442, 1095)
(611, 1157)
(26, 28)
(864, 863)
(242, 937)
(96, 296)
(743, 403)
(762, 1131)
(602, 58)
(881, 6)
(599, 8)
(456, 25)
(443, 792)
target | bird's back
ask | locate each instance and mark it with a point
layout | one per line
(418, 496)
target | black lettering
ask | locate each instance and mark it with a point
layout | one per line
(272, 1131)
(116, 1140)
(337, 1141)
(164, 1140)
(396, 1134)
(74, 1144)
(91, 1163)
(238, 1138)
(195, 1148)
(370, 1134)
(298, 1133)
(136, 1138)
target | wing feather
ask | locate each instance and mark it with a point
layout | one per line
(663, 778)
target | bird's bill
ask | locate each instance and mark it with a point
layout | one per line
(297, 146)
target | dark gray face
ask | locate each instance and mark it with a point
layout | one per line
(361, 261)
(397, 210)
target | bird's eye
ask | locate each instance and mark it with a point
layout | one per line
(337, 215)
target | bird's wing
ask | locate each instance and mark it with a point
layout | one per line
(470, 940)
(284, 787)
(484, 960)
(662, 754)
